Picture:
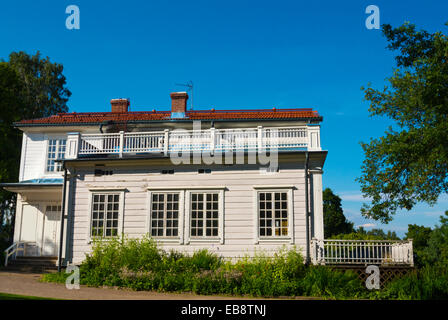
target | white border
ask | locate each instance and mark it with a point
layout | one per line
(180, 236)
(220, 237)
(272, 239)
(47, 141)
(120, 230)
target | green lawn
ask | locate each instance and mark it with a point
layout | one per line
(8, 296)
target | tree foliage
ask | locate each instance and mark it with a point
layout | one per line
(430, 245)
(436, 253)
(10, 102)
(409, 164)
(10, 87)
(30, 87)
(334, 219)
(44, 85)
(362, 234)
(420, 236)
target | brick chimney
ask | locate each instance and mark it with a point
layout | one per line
(120, 105)
(178, 104)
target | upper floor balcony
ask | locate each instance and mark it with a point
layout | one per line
(211, 140)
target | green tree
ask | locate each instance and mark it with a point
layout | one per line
(409, 164)
(381, 235)
(10, 88)
(420, 236)
(44, 92)
(334, 219)
(30, 87)
(374, 234)
(436, 252)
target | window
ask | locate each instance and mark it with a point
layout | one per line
(56, 151)
(186, 214)
(273, 213)
(164, 214)
(204, 216)
(105, 214)
(53, 212)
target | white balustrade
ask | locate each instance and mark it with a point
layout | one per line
(99, 143)
(17, 247)
(387, 252)
(219, 140)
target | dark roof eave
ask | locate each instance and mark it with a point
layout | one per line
(22, 125)
(162, 156)
(18, 184)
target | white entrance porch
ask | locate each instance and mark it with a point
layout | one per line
(39, 229)
(37, 222)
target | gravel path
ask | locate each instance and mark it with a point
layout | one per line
(29, 285)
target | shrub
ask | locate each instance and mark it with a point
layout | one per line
(140, 265)
(263, 275)
(428, 283)
(59, 277)
(321, 281)
(204, 260)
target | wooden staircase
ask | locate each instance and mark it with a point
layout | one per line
(32, 265)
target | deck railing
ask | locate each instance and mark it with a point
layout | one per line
(362, 252)
(18, 248)
(213, 140)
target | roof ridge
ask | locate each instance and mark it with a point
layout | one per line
(188, 111)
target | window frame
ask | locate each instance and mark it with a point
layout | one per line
(204, 239)
(289, 238)
(58, 140)
(170, 239)
(120, 227)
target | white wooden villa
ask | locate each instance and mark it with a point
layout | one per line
(235, 182)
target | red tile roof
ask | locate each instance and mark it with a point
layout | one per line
(140, 116)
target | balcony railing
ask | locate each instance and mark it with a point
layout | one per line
(362, 252)
(213, 140)
(20, 248)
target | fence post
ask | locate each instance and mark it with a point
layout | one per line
(212, 140)
(166, 142)
(72, 145)
(313, 251)
(259, 138)
(313, 132)
(121, 144)
(411, 253)
(321, 251)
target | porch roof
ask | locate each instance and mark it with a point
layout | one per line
(16, 186)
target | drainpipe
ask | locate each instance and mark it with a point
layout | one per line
(61, 239)
(307, 214)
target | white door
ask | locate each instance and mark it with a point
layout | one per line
(29, 230)
(50, 238)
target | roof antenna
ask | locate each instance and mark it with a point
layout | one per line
(189, 85)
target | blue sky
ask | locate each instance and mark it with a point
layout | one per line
(239, 54)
